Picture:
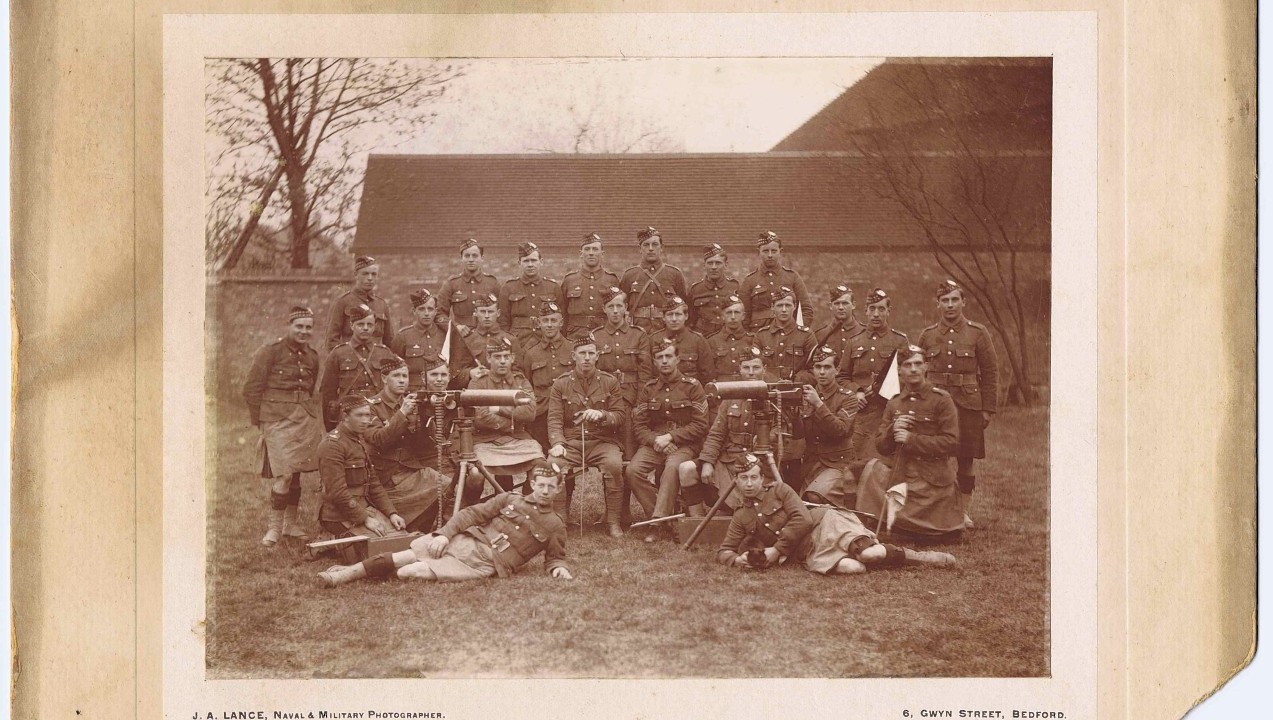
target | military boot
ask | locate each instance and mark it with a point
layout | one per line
(342, 574)
(275, 528)
(614, 505)
(291, 525)
(930, 557)
(967, 498)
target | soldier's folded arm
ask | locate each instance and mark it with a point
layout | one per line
(833, 425)
(799, 523)
(884, 441)
(729, 547)
(472, 515)
(525, 414)
(696, 428)
(486, 418)
(641, 421)
(556, 433)
(614, 401)
(390, 432)
(715, 436)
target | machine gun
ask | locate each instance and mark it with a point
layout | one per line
(463, 402)
(754, 390)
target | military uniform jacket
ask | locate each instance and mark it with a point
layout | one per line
(338, 325)
(649, 288)
(520, 300)
(389, 439)
(349, 480)
(733, 433)
(757, 290)
(776, 518)
(933, 438)
(624, 353)
(571, 393)
(350, 370)
(828, 428)
(487, 424)
(282, 376)
(786, 349)
(727, 351)
(580, 299)
(515, 530)
(417, 345)
(707, 300)
(478, 339)
(962, 361)
(456, 296)
(868, 356)
(836, 335)
(675, 405)
(543, 362)
(697, 359)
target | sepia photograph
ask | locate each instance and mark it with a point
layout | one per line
(680, 367)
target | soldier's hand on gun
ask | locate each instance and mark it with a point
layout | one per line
(811, 396)
(437, 545)
(557, 450)
(375, 526)
(562, 573)
(397, 522)
(409, 404)
(589, 415)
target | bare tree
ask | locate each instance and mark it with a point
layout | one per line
(589, 130)
(977, 197)
(305, 125)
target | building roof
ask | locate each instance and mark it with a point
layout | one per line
(998, 105)
(417, 201)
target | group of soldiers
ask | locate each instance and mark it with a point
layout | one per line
(613, 374)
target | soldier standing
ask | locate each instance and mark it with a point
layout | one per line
(869, 354)
(521, 297)
(459, 293)
(279, 392)
(671, 422)
(758, 288)
(588, 400)
(486, 331)
(581, 298)
(786, 343)
(649, 285)
(961, 361)
(366, 278)
(731, 344)
(843, 324)
(709, 296)
(622, 351)
(351, 367)
(545, 357)
(695, 356)
(423, 340)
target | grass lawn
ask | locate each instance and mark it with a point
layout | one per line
(637, 610)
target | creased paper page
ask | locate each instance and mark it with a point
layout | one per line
(66, 662)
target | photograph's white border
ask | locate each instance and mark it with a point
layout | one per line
(1070, 38)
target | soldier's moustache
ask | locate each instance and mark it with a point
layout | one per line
(751, 389)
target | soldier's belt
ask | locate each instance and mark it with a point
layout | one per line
(649, 311)
(298, 396)
(952, 378)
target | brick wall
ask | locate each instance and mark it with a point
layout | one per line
(246, 311)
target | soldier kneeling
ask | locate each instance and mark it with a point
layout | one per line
(773, 527)
(493, 538)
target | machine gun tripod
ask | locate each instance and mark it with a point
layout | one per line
(464, 402)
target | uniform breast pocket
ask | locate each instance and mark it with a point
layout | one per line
(970, 389)
(459, 296)
(516, 297)
(348, 366)
(356, 474)
(414, 351)
(574, 292)
(689, 359)
(858, 353)
(702, 302)
(934, 351)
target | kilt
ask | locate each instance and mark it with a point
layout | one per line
(834, 534)
(290, 445)
(464, 559)
(972, 433)
(507, 451)
(931, 510)
(413, 492)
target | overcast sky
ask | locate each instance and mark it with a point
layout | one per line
(694, 105)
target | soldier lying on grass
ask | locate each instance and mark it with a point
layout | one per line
(773, 527)
(493, 538)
